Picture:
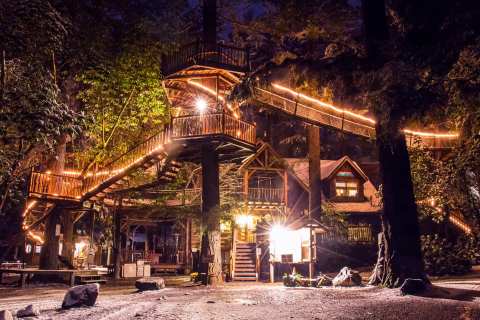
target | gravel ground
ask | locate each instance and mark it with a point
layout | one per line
(453, 299)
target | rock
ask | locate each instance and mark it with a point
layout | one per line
(29, 311)
(413, 286)
(5, 315)
(347, 278)
(153, 283)
(84, 295)
(324, 281)
(210, 301)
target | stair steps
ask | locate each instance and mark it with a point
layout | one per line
(245, 262)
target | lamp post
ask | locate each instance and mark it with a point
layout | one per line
(312, 224)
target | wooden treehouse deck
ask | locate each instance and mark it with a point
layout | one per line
(225, 129)
(233, 138)
(200, 54)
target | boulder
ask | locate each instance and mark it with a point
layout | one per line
(153, 283)
(413, 286)
(5, 315)
(78, 296)
(347, 278)
(29, 311)
(324, 281)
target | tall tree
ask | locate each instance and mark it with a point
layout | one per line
(397, 64)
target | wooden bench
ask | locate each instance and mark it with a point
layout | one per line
(89, 278)
(166, 268)
(27, 273)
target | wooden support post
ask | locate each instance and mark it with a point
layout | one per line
(117, 241)
(272, 272)
(315, 186)
(245, 185)
(68, 246)
(188, 245)
(210, 255)
(72, 279)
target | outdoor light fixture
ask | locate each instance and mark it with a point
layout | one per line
(201, 105)
(285, 241)
(244, 220)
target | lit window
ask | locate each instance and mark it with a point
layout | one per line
(346, 189)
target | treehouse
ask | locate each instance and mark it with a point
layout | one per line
(273, 228)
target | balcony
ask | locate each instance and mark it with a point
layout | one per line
(215, 124)
(266, 195)
(198, 53)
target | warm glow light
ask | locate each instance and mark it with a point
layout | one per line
(244, 220)
(29, 206)
(35, 237)
(285, 241)
(206, 89)
(323, 104)
(201, 105)
(358, 116)
(431, 134)
(459, 223)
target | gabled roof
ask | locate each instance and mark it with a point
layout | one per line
(327, 168)
(274, 161)
(264, 151)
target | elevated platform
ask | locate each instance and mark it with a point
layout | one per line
(319, 113)
(199, 53)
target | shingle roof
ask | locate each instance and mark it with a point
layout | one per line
(300, 167)
(327, 167)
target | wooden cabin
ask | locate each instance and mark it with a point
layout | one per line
(268, 191)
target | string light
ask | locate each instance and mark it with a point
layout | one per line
(358, 116)
(431, 134)
(35, 237)
(323, 104)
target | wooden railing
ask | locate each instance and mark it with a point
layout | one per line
(430, 142)
(314, 114)
(211, 124)
(271, 195)
(200, 53)
(342, 121)
(55, 185)
(73, 186)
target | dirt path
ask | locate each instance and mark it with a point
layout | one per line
(259, 301)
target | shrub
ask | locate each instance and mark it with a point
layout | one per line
(291, 280)
(443, 257)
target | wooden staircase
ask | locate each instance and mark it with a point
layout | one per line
(245, 262)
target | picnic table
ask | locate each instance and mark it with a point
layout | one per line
(27, 273)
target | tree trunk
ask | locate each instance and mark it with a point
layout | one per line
(210, 255)
(403, 256)
(376, 277)
(68, 246)
(210, 23)
(49, 253)
(315, 185)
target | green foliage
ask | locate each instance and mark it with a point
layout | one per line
(291, 280)
(443, 257)
(31, 29)
(124, 102)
